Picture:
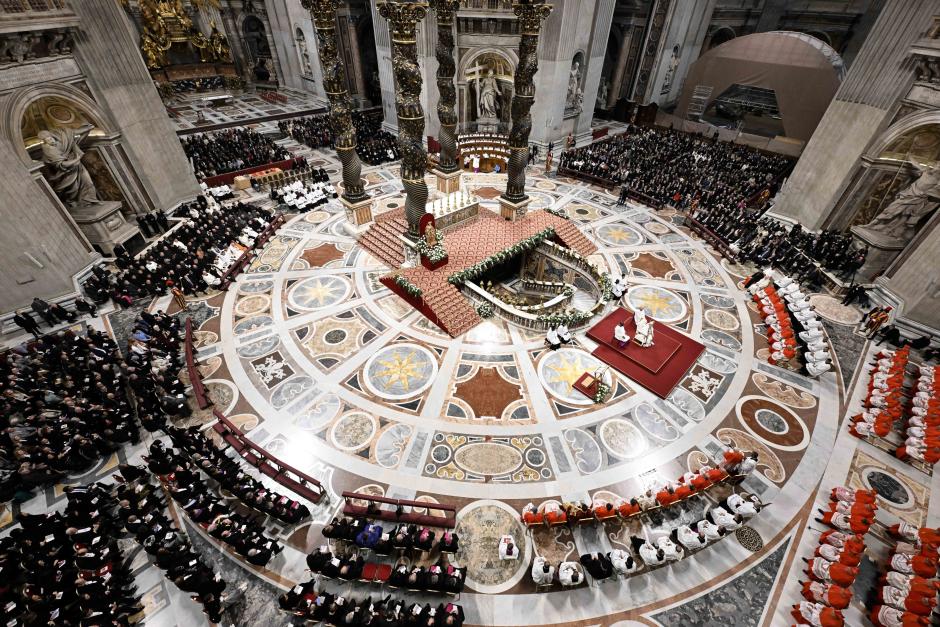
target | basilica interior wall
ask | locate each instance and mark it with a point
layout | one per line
(107, 52)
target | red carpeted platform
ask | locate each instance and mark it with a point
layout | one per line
(658, 368)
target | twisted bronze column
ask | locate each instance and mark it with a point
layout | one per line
(447, 93)
(403, 18)
(530, 14)
(334, 83)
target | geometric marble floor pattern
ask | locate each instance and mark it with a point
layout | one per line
(338, 376)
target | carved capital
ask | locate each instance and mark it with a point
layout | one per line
(445, 10)
(403, 18)
(530, 14)
(323, 12)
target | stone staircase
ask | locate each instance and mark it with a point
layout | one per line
(572, 236)
(382, 239)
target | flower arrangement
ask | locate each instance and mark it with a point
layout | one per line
(607, 290)
(571, 317)
(485, 310)
(435, 253)
(410, 288)
(474, 271)
(601, 392)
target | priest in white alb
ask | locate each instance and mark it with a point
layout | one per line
(644, 329)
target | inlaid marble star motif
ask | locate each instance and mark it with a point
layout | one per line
(655, 304)
(619, 234)
(400, 368)
(318, 292)
(567, 372)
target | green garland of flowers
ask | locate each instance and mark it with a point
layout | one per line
(410, 288)
(434, 253)
(485, 310)
(601, 392)
(571, 317)
(607, 290)
(468, 274)
(557, 212)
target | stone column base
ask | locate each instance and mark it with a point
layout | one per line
(358, 215)
(881, 252)
(447, 182)
(104, 225)
(512, 210)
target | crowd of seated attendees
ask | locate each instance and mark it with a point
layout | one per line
(734, 466)
(141, 511)
(791, 322)
(442, 576)
(187, 488)
(405, 537)
(373, 145)
(922, 442)
(198, 84)
(303, 196)
(767, 242)
(53, 314)
(676, 167)
(883, 404)
(303, 601)
(907, 591)
(230, 150)
(835, 563)
(192, 258)
(67, 568)
(229, 474)
(62, 405)
(154, 359)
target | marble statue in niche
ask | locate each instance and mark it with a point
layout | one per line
(671, 71)
(62, 154)
(489, 97)
(575, 97)
(898, 222)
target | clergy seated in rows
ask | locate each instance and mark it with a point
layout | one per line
(643, 335)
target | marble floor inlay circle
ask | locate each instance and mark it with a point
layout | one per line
(659, 303)
(319, 292)
(400, 371)
(559, 370)
(353, 431)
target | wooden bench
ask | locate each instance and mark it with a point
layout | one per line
(448, 520)
(294, 480)
(195, 379)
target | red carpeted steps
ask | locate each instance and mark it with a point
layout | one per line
(382, 239)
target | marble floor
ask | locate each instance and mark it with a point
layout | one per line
(327, 369)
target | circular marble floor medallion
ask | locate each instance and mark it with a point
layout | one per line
(619, 235)
(353, 431)
(659, 303)
(623, 439)
(400, 371)
(319, 292)
(486, 522)
(832, 309)
(559, 370)
(887, 487)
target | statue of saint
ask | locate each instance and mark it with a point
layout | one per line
(644, 328)
(430, 235)
(489, 96)
(219, 44)
(574, 97)
(900, 219)
(66, 174)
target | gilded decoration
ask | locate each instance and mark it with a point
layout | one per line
(166, 22)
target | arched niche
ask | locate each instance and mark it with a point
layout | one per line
(475, 68)
(303, 52)
(57, 106)
(722, 34)
(885, 168)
